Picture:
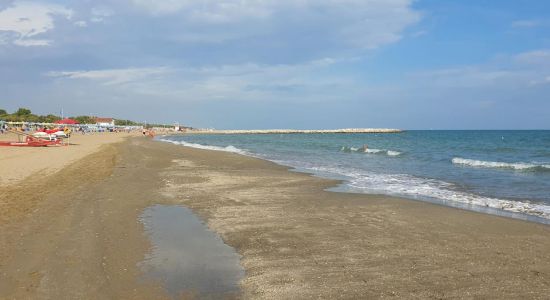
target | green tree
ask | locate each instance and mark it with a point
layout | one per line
(125, 123)
(3, 112)
(23, 112)
(48, 118)
(84, 119)
(31, 118)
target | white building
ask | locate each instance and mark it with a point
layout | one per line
(105, 122)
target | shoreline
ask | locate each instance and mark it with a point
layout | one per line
(296, 240)
(340, 187)
(491, 211)
(295, 131)
(357, 227)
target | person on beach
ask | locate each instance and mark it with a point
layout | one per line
(67, 131)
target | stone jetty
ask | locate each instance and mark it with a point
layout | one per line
(295, 131)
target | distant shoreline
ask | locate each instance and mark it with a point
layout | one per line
(297, 131)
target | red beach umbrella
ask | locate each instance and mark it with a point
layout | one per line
(66, 121)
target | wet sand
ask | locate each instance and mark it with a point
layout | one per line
(187, 257)
(82, 238)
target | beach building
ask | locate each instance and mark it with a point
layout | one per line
(105, 122)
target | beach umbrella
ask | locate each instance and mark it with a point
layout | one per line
(66, 121)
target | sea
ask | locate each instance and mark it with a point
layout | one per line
(503, 172)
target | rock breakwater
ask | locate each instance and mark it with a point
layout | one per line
(295, 131)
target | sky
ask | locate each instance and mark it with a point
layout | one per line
(304, 64)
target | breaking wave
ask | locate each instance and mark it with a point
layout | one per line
(409, 186)
(501, 165)
(405, 185)
(206, 147)
(371, 151)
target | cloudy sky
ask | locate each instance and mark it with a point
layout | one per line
(282, 63)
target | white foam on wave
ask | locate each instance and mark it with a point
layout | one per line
(393, 153)
(409, 186)
(403, 185)
(501, 165)
(229, 148)
(371, 151)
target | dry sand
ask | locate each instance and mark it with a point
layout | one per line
(16, 163)
(81, 238)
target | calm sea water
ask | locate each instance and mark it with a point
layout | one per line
(502, 172)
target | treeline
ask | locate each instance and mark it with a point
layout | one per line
(127, 123)
(25, 115)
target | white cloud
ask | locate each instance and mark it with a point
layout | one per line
(162, 7)
(419, 33)
(537, 57)
(470, 76)
(526, 23)
(358, 23)
(99, 14)
(5, 37)
(32, 42)
(81, 23)
(247, 82)
(210, 10)
(30, 19)
(113, 76)
(522, 70)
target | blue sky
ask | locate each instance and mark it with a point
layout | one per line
(282, 64)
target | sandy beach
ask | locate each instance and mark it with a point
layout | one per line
(70, 228)
(17, 163)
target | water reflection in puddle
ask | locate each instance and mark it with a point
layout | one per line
(187, 257)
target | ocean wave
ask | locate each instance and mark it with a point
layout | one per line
(393, 153)
(402, 185)
(409, 186)
(501, 165)
(229, 148)
(370, 151)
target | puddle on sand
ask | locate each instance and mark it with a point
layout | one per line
(188, 258)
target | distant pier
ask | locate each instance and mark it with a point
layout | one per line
(295, 131)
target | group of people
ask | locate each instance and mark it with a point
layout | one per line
(66, 130)
(149, 133)
(29, 128)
